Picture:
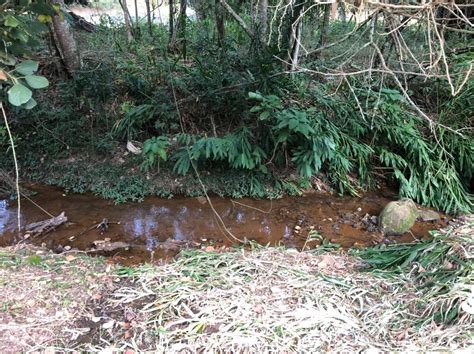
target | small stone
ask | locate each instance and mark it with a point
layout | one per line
(67, 248)
(297, 227)
(202, 200)
(428, 215)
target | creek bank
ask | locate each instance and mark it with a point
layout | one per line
(159, 228)
(267, 299)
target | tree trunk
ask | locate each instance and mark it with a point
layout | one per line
(171, 25)
(295, 53)
(342, 12)
(182, 26)
(137, 22)
(334, 7)
(289, 38)
(136, 13)
(325, 26)
(262, 20)
(148, 16)
(65, 42)
(219, 16)
(127, 20)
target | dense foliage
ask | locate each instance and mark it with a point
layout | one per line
(231, 107)
(21, 24)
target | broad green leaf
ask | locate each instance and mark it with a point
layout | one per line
(264, 115)
(255, 96)
(30, 104)
(11, 21)
(36, 82)
(7, 59)
(21, 35)
(27, 67)
(163, 155)
(19, 94)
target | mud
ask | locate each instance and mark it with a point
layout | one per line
(158, 228)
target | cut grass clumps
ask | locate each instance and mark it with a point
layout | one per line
(414, 297)
(280, 300)
(440, 269)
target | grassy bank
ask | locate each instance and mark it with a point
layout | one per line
(267, 299)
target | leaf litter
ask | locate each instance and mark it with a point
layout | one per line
(262, 300)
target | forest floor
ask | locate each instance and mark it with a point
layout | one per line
(266, 299)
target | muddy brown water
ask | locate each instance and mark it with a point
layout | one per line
(159, 228)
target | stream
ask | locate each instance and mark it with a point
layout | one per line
(158, 229)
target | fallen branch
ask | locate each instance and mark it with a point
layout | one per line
(43, 227)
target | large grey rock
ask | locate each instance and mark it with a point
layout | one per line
(398, 217)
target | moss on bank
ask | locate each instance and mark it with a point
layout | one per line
(121, 180)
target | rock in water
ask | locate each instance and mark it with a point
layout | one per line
(428, 215)
(398, 217)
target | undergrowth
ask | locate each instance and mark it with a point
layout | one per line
(241, 115)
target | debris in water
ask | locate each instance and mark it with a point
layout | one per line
(45, 226)
(103, 226)
(107, 246)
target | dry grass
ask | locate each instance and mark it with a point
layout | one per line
(263, 300)
(42, 294)
(274, 300)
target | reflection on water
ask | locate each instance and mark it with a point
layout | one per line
(4, 215)
(151, 224)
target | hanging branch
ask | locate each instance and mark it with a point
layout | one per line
(239, 19)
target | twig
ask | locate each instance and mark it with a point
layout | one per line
(17, 173)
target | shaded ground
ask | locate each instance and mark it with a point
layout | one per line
(266, 299)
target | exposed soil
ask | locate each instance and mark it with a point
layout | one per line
(159, 228)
